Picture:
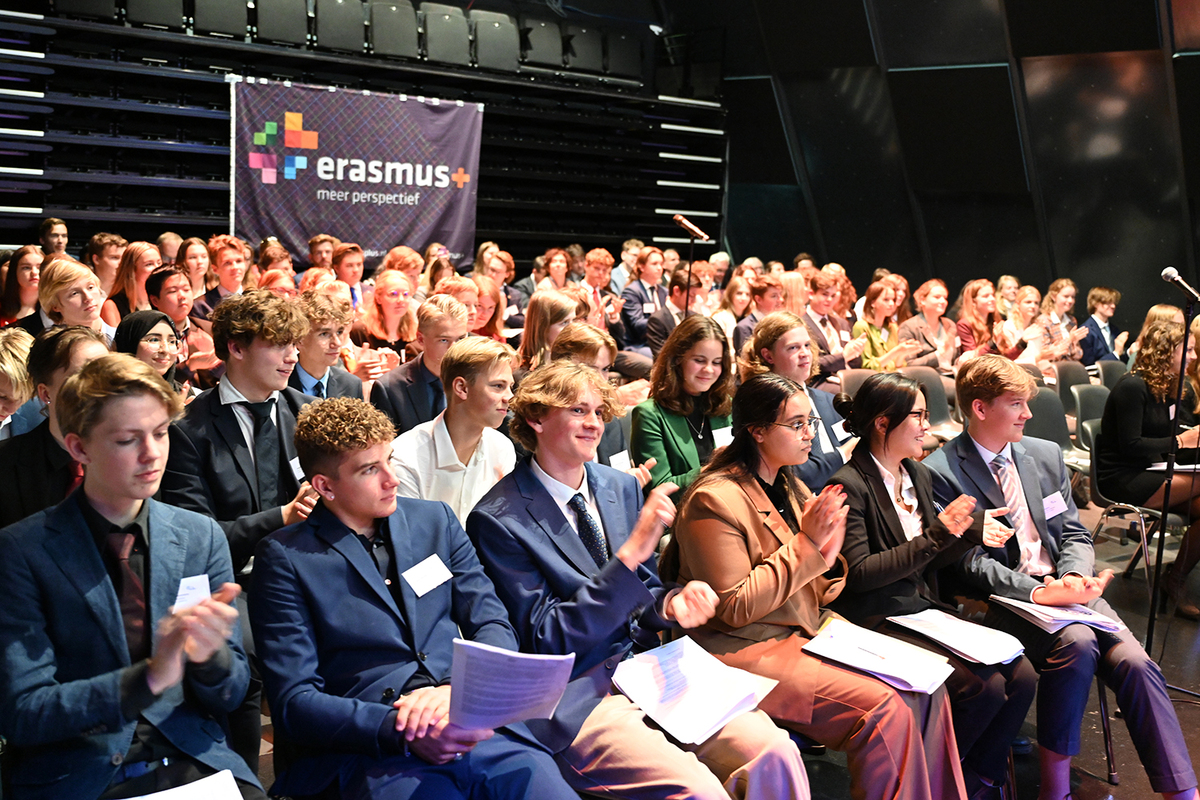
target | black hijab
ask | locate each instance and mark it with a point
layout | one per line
(133, 329)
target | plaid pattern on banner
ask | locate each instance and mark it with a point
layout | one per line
(376, 169)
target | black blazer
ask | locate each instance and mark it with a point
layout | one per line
(209, 470)
(634, 313)
(829, 364)
(341, 384)
(31, 323)
(203, 306)
(659, 327)
(402, 396)
(887, 574)
(35, 473)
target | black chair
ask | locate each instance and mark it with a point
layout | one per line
(227, 17)
(854, 378)
(1035, 373)
(96, 9)
(341, 25)
(282, 22)
(624, 54)
(394, 29)
(447, 34)
(1068, 374)
(1089, 403)
(941, 425)
(1049, 422)
(1111, 372)
(541, 42)
(584, 46)
(497, 40)
(155, 13)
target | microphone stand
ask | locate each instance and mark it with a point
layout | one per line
(1172, 457)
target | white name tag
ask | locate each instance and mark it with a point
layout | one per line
(426, 576)
(722, 437)
(296, 470)
(648, 308)
(845, 335)
(839, 430)
(1054, 505)
(192, 591)
(621, 461)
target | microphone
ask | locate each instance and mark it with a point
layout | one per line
(683, 222)
(1171, 275)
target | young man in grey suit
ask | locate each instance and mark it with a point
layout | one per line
(570, 548)
(105, 690)
(1022, 482)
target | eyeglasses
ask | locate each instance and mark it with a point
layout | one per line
(921, 416)
(155, 340)
(812, 423)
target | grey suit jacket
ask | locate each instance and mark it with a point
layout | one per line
(62, 641)
(959, 469)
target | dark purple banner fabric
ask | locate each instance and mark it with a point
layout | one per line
(376, 169)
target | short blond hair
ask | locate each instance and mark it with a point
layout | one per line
(82, 399)
(327, 430)
(58, 273)
(988, 377)
(14, 359)
(439, 308)
(558, 384)
(580, 341)
(473, 357)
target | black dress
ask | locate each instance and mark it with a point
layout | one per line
(1136, 432)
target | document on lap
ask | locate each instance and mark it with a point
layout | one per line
(221, 786)
(687, 691)
(973, 642)
(896, 663)
(1054, 618)
(494, 687)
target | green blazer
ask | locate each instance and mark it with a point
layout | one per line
(666, 437)
(876, 346)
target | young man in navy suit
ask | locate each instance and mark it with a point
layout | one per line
(1103, 341)
(356, 657)
(227, 254)
(570, 548)
(319, 372)
(1049, 560)
(105, 691)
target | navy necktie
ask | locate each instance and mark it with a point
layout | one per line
(589, 531)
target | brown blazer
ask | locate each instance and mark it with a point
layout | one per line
(770, 584)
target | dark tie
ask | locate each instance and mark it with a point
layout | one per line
(319, 389)
(439, 396)
(132, 595)
(266, 454)
(589, 531)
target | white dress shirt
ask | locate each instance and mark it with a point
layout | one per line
(561, 494)
(428, 468)
(910, 520)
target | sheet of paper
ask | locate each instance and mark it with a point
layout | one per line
(687, 691)
(973, 642)
(493, 687)
(1055, 618)
(427, 576)
(722, 437)
(893, 661)
(192, 591)
(221, 786)
(1161, 466)
(620, 461)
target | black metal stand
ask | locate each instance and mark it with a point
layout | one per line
(1172, 455)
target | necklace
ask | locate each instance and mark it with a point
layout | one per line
(698, 431)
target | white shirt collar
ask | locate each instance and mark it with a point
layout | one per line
(229, 394)
(988, 456)
(559, 491)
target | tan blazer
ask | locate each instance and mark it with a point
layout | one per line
(770, 582)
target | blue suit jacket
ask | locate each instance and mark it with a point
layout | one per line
(558, 599)
(959, 469)
(336, 650)
(634, 315)
(64, 652)
(1094, 347)
(821, 463)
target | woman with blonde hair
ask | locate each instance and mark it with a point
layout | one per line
(978, 322)
(483, 255)
(1024, 332)
(548, 313)
(1006, 294)
(129, 288)
(929, 327)
(1159, 312)
(1061, 334)
(389, 319)
(795, 292)
(489, 314)
(406, 260)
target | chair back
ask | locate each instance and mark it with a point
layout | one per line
(1111, 371)
(1089, 429)
(854, 378)
(1089, 403)
(1068, 374)
(935, 392)
(1049, 421)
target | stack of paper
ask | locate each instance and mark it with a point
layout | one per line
(973, 642)
(687, 691)
(894, 662)
(221, 786)
(493, 687)
(1054, 618)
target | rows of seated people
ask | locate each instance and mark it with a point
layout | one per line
(364, 470)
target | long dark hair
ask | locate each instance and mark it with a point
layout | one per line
(666, 378)
(890, 395)
(756, 405)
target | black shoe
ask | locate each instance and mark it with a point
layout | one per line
(1022, 746)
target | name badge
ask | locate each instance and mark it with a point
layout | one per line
(845, 335)
(648, 308)
(296, 470)
(1054, 505)
(426, 576)
(839, 430)
(722, 437)
(192, 592)
(621, 461)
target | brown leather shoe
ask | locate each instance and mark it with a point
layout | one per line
(1175, 591)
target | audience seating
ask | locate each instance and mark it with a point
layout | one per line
(1089, 403)
(584, 48)
(541, 42)
(447, 34)
(394, 29)
(624, 54)
(1049, 422)
(854, 378)
(220, 17)
(341, 25)
(1111, 371)
(941, 425)
(282, 22)
(155, 13)
(1068, 374)
(97, 9)
(497, 40)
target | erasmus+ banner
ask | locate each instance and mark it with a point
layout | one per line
(376, 169)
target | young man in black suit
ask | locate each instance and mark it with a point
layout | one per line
(679, 304)
(319, 372)
(227, 254)
(412, 393)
